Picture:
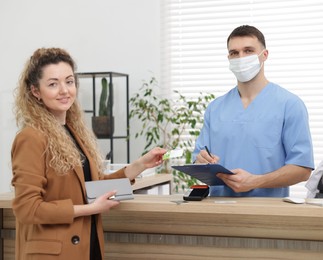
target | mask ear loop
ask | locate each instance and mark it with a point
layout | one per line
(262, 52)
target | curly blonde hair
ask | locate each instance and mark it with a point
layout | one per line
(31, 112)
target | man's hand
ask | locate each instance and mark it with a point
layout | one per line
(243, 181)
(204, 157)
(240, 181)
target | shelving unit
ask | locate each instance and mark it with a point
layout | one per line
(110, 76)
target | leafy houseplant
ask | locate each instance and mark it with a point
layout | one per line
(169, 123)
(103, 125)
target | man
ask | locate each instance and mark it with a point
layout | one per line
(258, 130)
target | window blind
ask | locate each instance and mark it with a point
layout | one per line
(194, 53)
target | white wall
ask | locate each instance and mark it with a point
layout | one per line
(102, 35)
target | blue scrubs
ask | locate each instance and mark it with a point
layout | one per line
(271, 132)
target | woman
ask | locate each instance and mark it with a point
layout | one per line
(52, 156)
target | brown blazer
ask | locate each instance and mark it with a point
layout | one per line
(43, 203)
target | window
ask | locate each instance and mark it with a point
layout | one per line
(194, 54)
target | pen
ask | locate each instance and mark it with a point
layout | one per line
(208, 151)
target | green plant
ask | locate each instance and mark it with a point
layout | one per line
(103, 124)
(169, 123)
(105, 98)
(103, 109)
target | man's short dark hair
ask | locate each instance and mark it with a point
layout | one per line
(247, 30)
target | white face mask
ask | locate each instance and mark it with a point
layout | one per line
(245, 68)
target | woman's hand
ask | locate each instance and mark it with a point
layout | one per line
(100, 205)
(104, 203)
(151, 159)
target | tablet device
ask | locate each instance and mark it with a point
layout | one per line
(95, 189)
(205, 173)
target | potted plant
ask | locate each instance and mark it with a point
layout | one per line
(103, 125)
(169, 123)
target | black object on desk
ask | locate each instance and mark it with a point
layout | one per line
(197, 193)
(320, 188)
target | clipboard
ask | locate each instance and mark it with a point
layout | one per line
(95, 189)
(205, 173)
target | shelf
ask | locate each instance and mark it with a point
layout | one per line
(110, 76)
(101, 74)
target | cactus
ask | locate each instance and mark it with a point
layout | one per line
(110, 100)
(103, 109)
(103, 124)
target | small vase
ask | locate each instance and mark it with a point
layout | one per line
(103, 126)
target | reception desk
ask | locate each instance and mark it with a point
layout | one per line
(162, 227)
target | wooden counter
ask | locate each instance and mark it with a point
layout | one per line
(153, 181)
(160, 227)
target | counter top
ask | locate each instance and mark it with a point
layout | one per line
(254, 217)
(222, 227)
(247, 217)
